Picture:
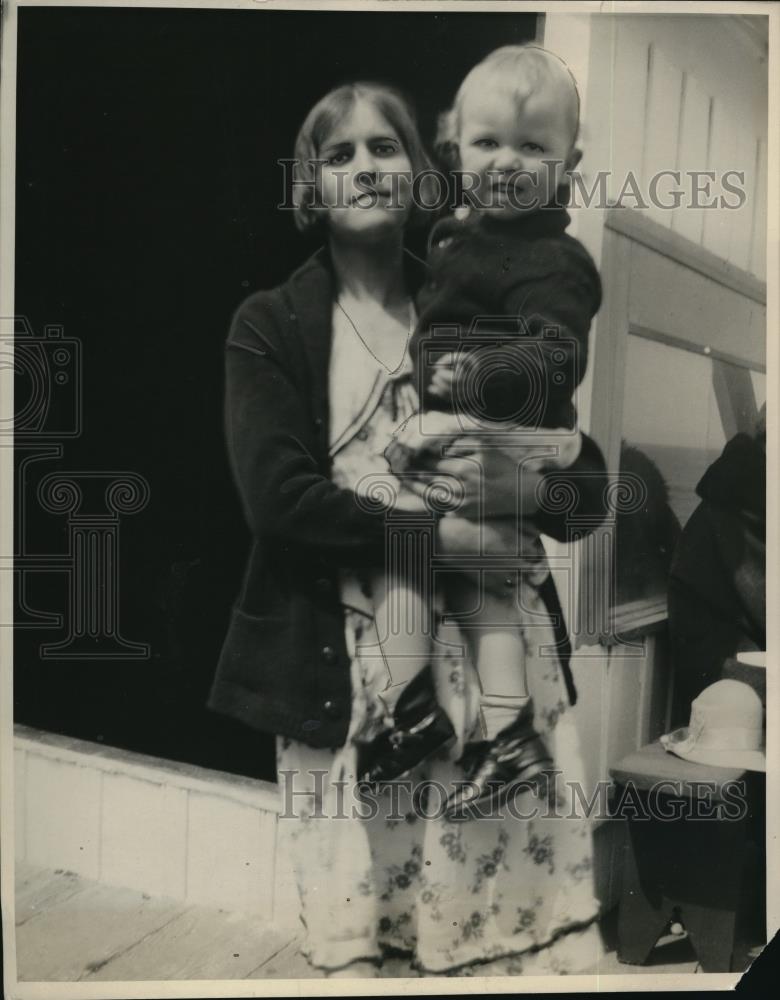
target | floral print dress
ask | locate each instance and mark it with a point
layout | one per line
(386, 872)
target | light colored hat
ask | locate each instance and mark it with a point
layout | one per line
(726, 728)
(753, 659)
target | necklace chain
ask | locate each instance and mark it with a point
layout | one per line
(379, 361)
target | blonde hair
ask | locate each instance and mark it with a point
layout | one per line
(326, 114)
(519, 69)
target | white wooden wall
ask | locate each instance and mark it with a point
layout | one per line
(164, 828)
(690, 93)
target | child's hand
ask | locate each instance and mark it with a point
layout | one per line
(443, 380)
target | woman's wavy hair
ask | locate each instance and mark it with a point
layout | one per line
(320, 121)
(520, 69)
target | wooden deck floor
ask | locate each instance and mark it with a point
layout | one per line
(71, 929)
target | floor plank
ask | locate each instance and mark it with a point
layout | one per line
(200, 943)
(77, 935)
(70, 928)
(287, 963)
(38, 889)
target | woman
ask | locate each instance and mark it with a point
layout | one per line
(316, 369)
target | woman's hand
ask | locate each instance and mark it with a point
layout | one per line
(495, 481)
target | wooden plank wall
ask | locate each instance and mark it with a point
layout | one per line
(166, 829)
(673, 110)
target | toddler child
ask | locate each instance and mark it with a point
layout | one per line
(500, 345)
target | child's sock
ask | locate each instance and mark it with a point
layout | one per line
(497, 712)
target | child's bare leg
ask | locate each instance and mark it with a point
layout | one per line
(499, 660)
(498, 653)
(402, 615)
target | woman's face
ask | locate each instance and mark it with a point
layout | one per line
(365, 181)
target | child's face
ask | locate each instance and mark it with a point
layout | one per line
(363, 183)
(505, 147)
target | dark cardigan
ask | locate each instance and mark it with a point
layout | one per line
(284, 666)
(515, 299)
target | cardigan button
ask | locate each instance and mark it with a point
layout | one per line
(332, 709)
(329, 654)
(362, 434)
(318, 421)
